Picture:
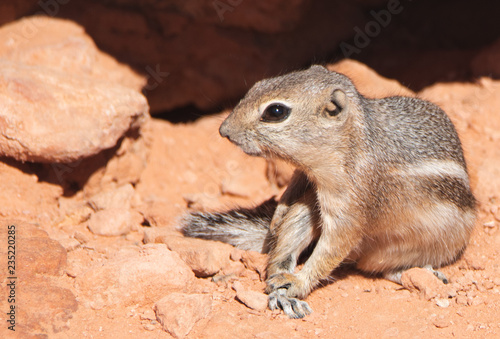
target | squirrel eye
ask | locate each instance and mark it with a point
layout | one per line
(275, 113)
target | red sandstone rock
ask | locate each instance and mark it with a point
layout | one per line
(205, 257)
(252, 299)
(40, 255)
(134, 277)
(255, 261)
(45, 307)
(179, 312)
(111, 222)
(35, 252)
(60, 98)
(51, 116)
(114, 198)
(41, 305)
(423, 281)
(63, 46)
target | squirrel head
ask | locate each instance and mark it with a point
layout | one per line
(296, 116)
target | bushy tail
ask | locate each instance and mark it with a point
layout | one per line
(245, 228)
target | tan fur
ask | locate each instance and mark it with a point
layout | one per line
(381, 182)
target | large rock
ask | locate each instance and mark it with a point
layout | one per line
(137, 277)
(23, 195)
(35, 252)
(45, 308)
(205, 257)
(179, 312)
(253, 299)
(107, 170)
(62, 45)
(114, 198)
(424, 282)
(41, 306)
(58, 102)
(111, 222)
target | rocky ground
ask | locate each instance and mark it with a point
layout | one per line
(97, 253)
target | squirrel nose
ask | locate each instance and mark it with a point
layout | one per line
(224, 130)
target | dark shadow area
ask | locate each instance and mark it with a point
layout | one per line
(197, 59)
(347, 269)
(426, 43)
(73, 176)
(430, 41)
(188, 114)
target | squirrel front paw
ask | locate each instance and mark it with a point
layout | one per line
(293, 307)
(294, 286)
(283, 288)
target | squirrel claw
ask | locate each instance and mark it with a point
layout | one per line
(293, 307)
(440, 275)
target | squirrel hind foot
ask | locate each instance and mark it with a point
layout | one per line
(438, 274)
(395, 276)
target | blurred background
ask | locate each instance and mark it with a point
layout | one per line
(202, 56)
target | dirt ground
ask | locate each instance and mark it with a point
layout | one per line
(191, 165)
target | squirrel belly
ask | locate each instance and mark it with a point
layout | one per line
(381, 182)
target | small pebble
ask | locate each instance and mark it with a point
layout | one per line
(489, 224)
(392, 332)
(111, 314)
(148, 315)
(451, 292)
(462, 300)
(476, 301)
(488, 285)
(344, 285)
(443, 302)
(81, 237)
(471, 294)
(441, 323)
(149, 327)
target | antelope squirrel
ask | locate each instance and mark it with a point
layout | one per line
(379, 182)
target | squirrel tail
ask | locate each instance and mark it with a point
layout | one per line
(245, 228)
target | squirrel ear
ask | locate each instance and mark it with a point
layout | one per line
(337, 103)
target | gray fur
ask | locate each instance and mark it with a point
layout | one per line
(245, 228)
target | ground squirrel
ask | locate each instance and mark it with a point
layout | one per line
(379, 182)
